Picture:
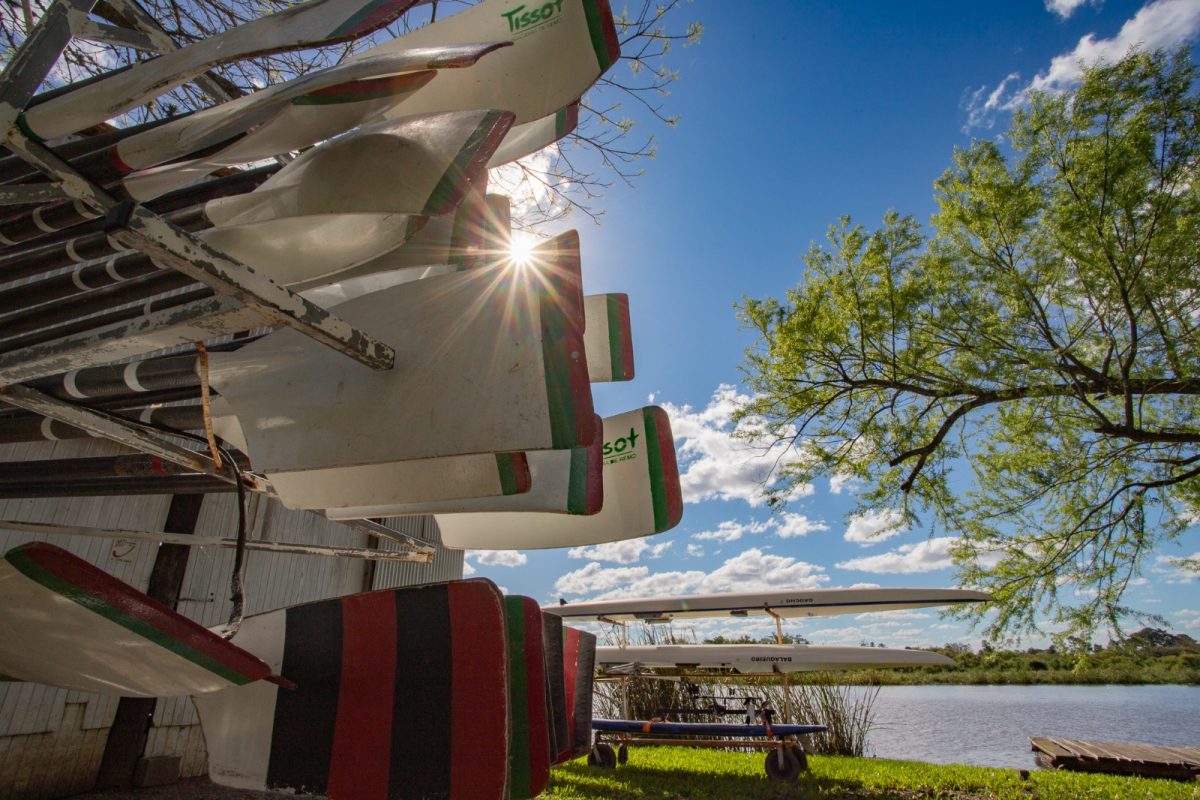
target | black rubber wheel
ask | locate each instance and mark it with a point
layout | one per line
(801, 756)
(603, 756)
(622, 754)
(782, 765)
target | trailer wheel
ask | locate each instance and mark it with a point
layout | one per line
(782, 765)
(622, 754)
(602, 755)
(801, 756)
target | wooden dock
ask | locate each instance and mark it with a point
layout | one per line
(1122, 758)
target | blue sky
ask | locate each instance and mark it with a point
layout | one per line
(792, 115)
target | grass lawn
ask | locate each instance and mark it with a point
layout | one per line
(676, 773)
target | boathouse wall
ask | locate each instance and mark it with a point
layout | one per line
(52, 740)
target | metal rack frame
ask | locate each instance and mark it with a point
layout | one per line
(245, 298)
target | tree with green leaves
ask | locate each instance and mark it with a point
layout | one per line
(1026, 373)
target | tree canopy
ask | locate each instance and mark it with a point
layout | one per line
(1025, 372)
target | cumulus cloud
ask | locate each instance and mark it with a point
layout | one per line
(785, 526)
(626, 552)
(1065, 8)
(530, 197)
(732, 530)
(874, 526)
(1174, 571)
(1188, 618)
(749, 571)
(715, 466)
(695, 550)
(498, 558)
(927, 556)
(841, 482)
(792, 525)
(1158, 24)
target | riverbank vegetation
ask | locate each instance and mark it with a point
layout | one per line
(1147, 656)
(674, 773)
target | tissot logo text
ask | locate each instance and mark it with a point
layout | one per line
(524, 16)
(621, 449)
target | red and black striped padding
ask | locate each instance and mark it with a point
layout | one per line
(556, 690)
(402, 694)
(579, 667)
(529, 753)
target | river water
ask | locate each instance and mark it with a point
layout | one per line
(991, 725)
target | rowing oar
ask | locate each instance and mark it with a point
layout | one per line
(312, 24)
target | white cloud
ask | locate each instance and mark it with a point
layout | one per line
(841, 482)
(874, 526)
(468, 568)
(732, 530)
(629, 551)
(1159, 24)
(1065, 8)
(529, 196)
(927, 556)
(749, 571)
(890, 615)
(714, 465)
(1162, 23)
(695, 550)
(1188, 618)
(1172, 571)
(793, 525)
(498, 558)
(786, 526)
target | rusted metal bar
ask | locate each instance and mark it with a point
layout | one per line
(32, 193)
(205, 541)
(111, 427)
(377, 529)
(118, 487)
(101, 322)
(194, 322)
(174, 247)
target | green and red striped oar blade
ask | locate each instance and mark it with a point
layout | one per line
(525, 140)
(234, 132)
(460, 339)
(641, 496)
(337, 205)
(559, 50)
(529, 754)
(68, 624)
(579, 668)
(312, 24)
(560, 482)
(608, 337)
(556, 688)
(396, 691)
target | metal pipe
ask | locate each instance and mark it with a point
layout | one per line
(101, 320)
(58, 222)
(149, 375)
(17, 170)
(118, 487)
(91, 302)
(82, 279)
(83, 248)
(37, 428)
(104, 467)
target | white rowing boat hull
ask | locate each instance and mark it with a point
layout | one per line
(752, 658)
(785, 603)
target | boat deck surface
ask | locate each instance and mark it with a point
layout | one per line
(1124, 758)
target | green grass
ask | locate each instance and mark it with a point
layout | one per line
(676, 773)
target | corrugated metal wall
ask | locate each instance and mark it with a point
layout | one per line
(52, 740)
